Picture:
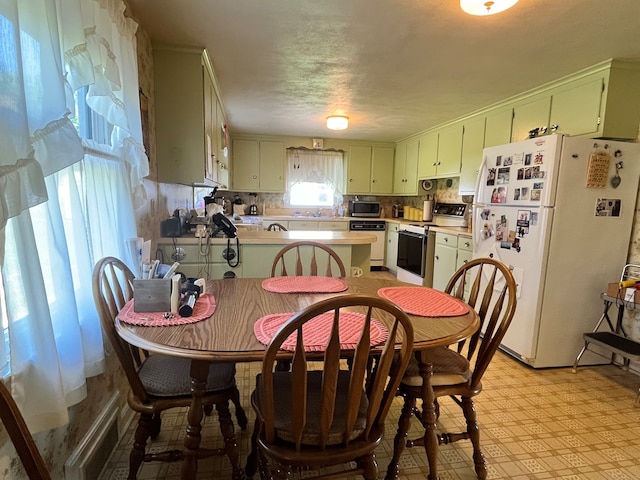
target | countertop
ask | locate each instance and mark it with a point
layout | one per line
(463, 231)
(264, 237)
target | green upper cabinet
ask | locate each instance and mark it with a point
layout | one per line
(428, 155)
(440, 152)
(449, 150)
(405, 168)
(359, 170)
(370, 170)
(498, 127)
(577, 110)
(529, 115)
(258, 166)
(185, 104)
(382, 170)
(472, 145)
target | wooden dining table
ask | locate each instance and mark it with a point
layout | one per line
(228, 336)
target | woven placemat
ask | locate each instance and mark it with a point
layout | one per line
(424, 301)
(316, 331)
(203, 308)
(304, 284)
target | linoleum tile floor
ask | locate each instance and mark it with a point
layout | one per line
(534, 424)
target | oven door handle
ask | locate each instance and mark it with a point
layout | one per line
(412, 234)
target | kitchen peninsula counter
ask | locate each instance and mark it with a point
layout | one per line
(208, 257)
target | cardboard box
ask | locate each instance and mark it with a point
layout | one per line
(627, 294)
(152, 295)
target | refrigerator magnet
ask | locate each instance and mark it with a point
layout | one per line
(527, 159)
(516, 244)
(491, 177)
(608, 207)
(516, 194)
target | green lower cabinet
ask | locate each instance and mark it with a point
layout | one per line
(203, 262)
(257, 260)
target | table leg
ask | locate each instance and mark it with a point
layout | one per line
(199, 373)
(429, 417)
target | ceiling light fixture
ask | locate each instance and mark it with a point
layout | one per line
(337, 122)
(486, 7)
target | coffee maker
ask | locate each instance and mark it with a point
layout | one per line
(253, 207)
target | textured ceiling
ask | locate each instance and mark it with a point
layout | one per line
(395, 67)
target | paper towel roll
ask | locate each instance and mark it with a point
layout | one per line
(427, 211)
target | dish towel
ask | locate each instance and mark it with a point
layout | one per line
(424, 301)
(203, 308)
(304, 284)
(316, 331)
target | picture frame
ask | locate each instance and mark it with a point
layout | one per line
(318, 143)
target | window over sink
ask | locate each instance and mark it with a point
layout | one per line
(315, 178)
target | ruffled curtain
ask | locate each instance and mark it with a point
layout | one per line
(317, 166)
(64, 202)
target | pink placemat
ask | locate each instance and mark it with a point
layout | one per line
(424, 301)
(304, 284)
(204, 308)
(315, 333)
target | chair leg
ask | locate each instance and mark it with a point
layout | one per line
(369, 467)
(399, 442)
(231, 446)
(473, 430)
(241, 416)
(253, 460)
(156, 425)
(143, 432)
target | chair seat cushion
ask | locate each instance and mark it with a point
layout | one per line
(311, 434)
(166, 376)
(449, 368)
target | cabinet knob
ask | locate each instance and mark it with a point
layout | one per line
(374, 181)
(467, 244)
(351, 180)
(555, 127)
(446, 240)
(465, 261)
(255, 176)
(436, 257)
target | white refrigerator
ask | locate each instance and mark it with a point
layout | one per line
(559, 211)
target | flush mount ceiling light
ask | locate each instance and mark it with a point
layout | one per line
(337, 122)
(486, 7)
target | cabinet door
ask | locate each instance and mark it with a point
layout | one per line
(180, 122)
(391, 249)
(428, 155)
(246, 165)
(399, 163)
(528, 116)
(359, 170)
(444, 265)
(222, 159)
(411, 168)
(449, 150)
(472, 145)
(498, 128)
(271, 169)
(382, 170)
(577, 111)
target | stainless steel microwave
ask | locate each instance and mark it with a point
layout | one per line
(361, 208)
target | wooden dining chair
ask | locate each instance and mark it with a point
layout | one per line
(488, 287)
(277, 227)
(306, 250)
(160, 382)
(320, 414)
(14, 424)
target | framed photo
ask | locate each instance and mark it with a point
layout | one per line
(317, 143)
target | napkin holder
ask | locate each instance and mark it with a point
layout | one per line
(153, 295)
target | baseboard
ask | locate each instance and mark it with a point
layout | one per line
(92, 453)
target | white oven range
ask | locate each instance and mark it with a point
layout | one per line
(415, 254)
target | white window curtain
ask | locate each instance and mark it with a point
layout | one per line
(64, 203)
(316, 166)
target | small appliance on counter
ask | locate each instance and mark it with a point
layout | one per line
(253, 207)
(450, 214)
(397, 211)
(427, 209)
(364, 208)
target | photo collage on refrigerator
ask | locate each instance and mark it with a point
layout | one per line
(511, 180)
